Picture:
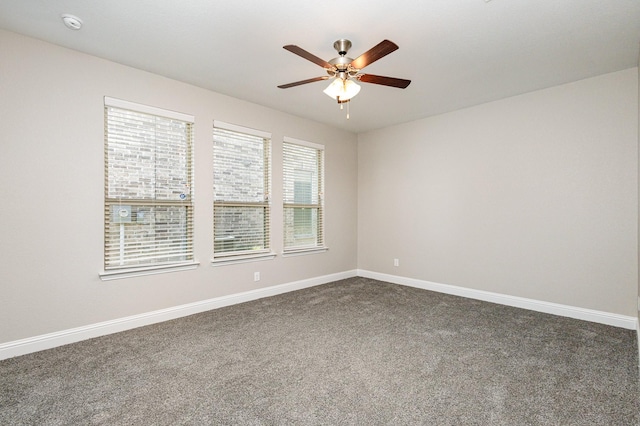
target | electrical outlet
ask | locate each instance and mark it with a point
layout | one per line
(256, 276)
(396, 262)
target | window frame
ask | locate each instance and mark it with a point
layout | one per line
(111, 271)
(250, 255)
(320, 244)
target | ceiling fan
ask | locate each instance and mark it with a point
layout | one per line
(345, 70)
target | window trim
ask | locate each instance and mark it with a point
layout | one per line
(150, 270)
(303, 251)
(241, 129)
(107, 274)
(307, 249)
(147, 109)
(243, 258)
(300, 142)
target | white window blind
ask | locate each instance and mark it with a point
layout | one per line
(241, 187)
(148, 212)
(303, 176)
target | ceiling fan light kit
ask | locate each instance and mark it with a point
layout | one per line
(344, 70)
(342, 90)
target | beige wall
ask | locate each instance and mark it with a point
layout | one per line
(533, 196)
(51, 174)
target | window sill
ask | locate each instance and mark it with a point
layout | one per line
(149, 270)
(230, 260)
(304, 251)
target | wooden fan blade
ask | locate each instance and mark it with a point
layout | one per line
(298, 83)
(382, 49)
(308, 56)
(385, 81)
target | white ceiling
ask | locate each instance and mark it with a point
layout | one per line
(457, 53)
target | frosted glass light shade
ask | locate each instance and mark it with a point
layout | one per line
(342, 90)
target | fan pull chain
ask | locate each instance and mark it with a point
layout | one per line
(342, 106)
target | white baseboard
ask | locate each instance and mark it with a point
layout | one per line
(607, 318)
(52, 340)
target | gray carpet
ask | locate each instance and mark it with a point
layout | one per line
(353, 352)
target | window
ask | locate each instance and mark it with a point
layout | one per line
(241, 188)
(148, 212)
(303, 176)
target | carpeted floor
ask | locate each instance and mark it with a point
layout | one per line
(353, 352)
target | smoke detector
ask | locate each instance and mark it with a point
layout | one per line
(72, 22)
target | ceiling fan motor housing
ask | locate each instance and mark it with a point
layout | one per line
(342, 46)
(342, 62)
